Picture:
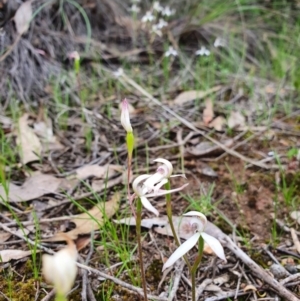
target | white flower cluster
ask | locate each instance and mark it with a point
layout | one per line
(155, 16)
(203, 51)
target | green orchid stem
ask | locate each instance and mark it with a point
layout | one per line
(139, 241)
(195, 266)
(169, 214)
(60, 297)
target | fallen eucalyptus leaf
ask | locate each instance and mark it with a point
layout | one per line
(236, 120)
(12, 254)
(23, 17)
(208, 112)
(295, 215)
(194, 94)
(29, 144)
(91, 220)
(33, 188)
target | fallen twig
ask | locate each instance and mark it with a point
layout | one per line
(178, 273)
(252, 265)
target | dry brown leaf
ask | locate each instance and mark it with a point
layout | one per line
(91, 220)
(100, 185)
(97, 171)
(27, 141)
(33, 188)
(218, 123)
(4, 236)
(44, 130)
(12, 254)
(236, 120)
(208, 148)
(194, 94)
(23, 17)
(296, 216)
(208, 112)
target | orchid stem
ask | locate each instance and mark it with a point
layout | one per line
(60, 297)
(169, 214)
(139, 241)
(195, 266)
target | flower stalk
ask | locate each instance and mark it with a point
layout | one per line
(140, 249)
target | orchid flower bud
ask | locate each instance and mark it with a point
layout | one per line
(125, 119)
(76, 57)
(61, 269)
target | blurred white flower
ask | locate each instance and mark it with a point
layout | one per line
(171, 52)
(203, 51)
(196, 224)
(135, 1)
(134, 8)
(157, 6)
(156, 30)
(61, 269)
(219, 42)
(118, 73)
(167, 11)
(161, 24)
(148, 17)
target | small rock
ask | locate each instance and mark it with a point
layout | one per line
(278, 271)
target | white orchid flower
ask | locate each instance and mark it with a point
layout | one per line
(61, 269)
(144, 192)
(203, 51)
(148, 17)
(197, 224)
(125, 119)
(171, 52)
(161, 176)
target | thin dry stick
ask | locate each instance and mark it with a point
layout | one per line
(192, 127)
(202, 287)
(120, 282)
(295, 240)
(178, 273)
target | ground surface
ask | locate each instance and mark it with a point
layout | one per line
(227, 118)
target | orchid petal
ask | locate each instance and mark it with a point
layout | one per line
(199, 215)
(215, 245)
(160, 184)
(164, 192)
(168, 165)
(179, 175)
(148, 205)
(153, 179)
(182, 250)
(137, 181)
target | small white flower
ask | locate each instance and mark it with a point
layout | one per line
(144, 192)
(148, 17)
(171, 52)
(134, 8)
(167, 11)
(219, 42)
(161, 24)
(196, 224)
(60, 269)
(135, 1)
(118, 73)
(125, 119)
(203, 51)
(156, 30)
(157, 6)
